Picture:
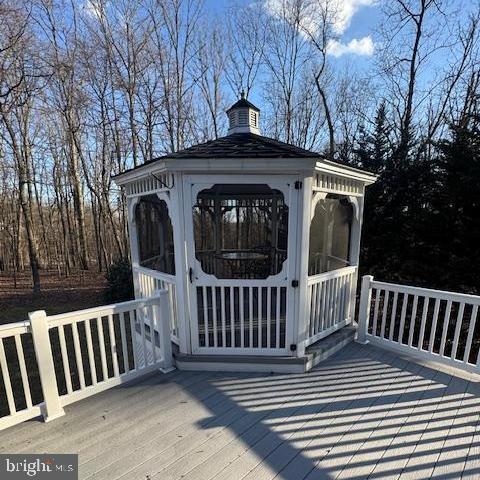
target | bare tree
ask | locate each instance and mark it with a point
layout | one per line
(246, 36)
(17, 84)
(209, 71)
(67, 98)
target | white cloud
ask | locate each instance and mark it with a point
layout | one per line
(344, 10)
(357, 46)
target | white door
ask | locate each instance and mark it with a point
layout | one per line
(241, 246)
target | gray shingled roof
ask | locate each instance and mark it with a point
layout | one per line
(238, 145)
(243, 145)
(243, 103)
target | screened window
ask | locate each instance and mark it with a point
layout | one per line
(330, 235)
(155, 235)
(241, 231)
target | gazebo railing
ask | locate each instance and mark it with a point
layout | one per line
(331, 297)
(245, 319)
(148, 281)
(323, 263)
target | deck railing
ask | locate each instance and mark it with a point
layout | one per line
(331, 297)
(48, 362)
(429, 324)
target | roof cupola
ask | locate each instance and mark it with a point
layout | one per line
(243, 117)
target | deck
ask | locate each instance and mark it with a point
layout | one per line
(364, 413)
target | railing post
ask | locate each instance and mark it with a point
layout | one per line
(52, 407)
(364, 308)
(164, 323)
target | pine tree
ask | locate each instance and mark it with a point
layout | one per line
(458, 204)
(396, 206)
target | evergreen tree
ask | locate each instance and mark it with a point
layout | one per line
(396, 205)
(457, 205)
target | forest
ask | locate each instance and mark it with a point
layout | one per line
(89, 89)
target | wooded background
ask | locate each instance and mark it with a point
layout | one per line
(88, 89)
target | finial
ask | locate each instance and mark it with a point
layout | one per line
(242, 93)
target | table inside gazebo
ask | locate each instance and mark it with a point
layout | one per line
(242, 264)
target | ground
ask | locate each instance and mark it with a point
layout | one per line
(59, 293)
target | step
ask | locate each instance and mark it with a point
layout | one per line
(240, 363)
(326, 347)
(314, 354)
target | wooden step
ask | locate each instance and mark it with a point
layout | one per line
(315, 353)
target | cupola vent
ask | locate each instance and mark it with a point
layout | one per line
(243, 117)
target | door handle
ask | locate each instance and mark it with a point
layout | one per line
(190, 274)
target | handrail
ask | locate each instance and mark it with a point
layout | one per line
(428, 292)
(331, 274)
(11, 329)
(88, 313)
(155, 273)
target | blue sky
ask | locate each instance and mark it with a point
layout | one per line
(363, 18)
(360, 25)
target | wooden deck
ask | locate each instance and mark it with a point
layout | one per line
(365, 413)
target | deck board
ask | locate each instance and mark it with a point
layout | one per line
(364, 413)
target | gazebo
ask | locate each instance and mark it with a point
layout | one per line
(257, 242)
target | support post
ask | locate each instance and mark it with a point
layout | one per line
(181, 267)
(165, 320)
(302, 305)
(134, 250)
(364, 308)
(52, 408)
(355, 237)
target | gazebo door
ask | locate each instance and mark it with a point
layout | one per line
(241, 238)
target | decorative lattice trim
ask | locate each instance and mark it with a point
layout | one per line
(337, 184)
(149, 184)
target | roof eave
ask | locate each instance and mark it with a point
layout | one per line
(247, 165)
(328, 166)
(138, 172)
(220, 165)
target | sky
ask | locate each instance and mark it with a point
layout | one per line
(357, 44)
(358, 20)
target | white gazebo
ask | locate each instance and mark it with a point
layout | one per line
(257, 242)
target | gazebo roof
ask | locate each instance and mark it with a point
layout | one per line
(253, 152)
(242, 145)
(237, 145)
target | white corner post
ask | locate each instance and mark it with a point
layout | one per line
(183, 313)
(303, 239)
(52, 407)
(164, 322)
(132, 233)
(355, 238)
(364, 309)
